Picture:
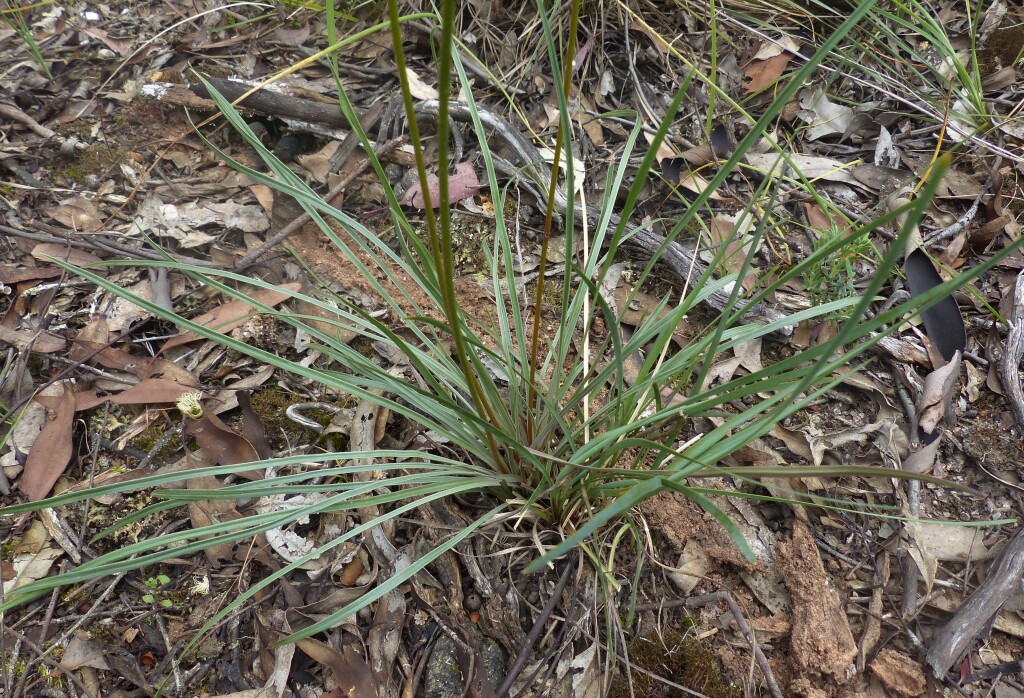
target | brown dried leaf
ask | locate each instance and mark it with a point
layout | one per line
(232, 314)
(118, 46)
(146, 392)
(723, 231)
(810, 166)
(588, 121)
(91, 337)
(921, 554)
(351, 673)
(252, 427)
(222, 445)
(83, 651)
(11, 274)
(51, 451)
(937, 395)
(760, 75)
(38, 342)
(292, 37)
(77, 213)
(80, 258)
(143, 367)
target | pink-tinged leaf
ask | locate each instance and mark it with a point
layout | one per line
(232, 314)
(462, 184)
(51, 451)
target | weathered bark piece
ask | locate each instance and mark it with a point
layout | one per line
(821, 641)
(899, 673)
(975, 615)
(1009, 365)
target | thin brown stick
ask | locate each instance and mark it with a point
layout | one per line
(13, 112)
(535, 632)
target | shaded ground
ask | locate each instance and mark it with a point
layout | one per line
(94, 163)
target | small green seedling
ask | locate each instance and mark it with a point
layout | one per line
(155, 583)
(834, 277)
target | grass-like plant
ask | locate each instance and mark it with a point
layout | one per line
(568, 441)
(13, 16)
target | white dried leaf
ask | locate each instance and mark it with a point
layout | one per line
(825, 117)
(418, 88)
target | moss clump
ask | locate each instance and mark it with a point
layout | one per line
(99, 160)
(270, 405)
(681, 659)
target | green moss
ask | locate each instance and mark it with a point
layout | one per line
(678, 657)
(270, 405)
(150, 438)
(99, 160)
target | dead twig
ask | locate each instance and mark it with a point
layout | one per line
(535, 631)
(12, 112)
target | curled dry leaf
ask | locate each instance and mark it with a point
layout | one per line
(77, 213)
(221, 444)
(923, 459)
(921, 553)
(28, 567)
(823, 116)
(418, 88)
(762, 74)
(936, 398)
(351, 674)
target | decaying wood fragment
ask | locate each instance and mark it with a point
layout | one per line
(975, 615)
(1009, 365)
